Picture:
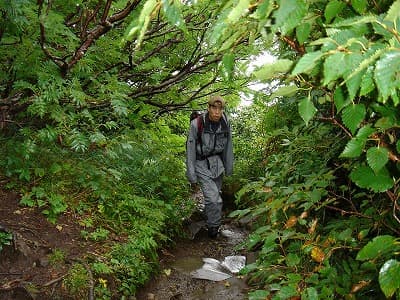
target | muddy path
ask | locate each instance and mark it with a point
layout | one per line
(28, 272)
(176, 277)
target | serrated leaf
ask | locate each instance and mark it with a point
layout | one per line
(353, 115)
(138, 28)
(273, 69)
(367, 62)
(173, 13)
(365, 132)
(365, 177)
(285, 91)
(379, 246)
(335, 67)
(303, 32)
(355, 21)
(367, 82)
(307, 62)
(393, 12)
(353, 83)
(264, 9)
(228, 61)
(237, 11)
(333, 9)
(353, 148)
(389, 277)
(339, 99)
(307, 110)
(289, 15)
(359, 5)
(386, 74)
(377, 158)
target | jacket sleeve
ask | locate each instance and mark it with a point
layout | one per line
(191, 153)
(228, 154)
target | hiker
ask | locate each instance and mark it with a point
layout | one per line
(209, 155)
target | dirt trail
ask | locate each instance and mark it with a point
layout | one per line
(174, 280)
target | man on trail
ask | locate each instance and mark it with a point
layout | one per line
(209, 155)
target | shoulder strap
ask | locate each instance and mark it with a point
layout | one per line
(200, 127)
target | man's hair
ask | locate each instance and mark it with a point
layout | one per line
(215, 99)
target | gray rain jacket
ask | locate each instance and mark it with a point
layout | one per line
(217, 156)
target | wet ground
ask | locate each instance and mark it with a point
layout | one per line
(27, 273)
(179, 265)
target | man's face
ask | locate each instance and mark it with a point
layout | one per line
(215, 111)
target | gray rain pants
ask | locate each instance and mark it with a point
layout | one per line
(212, 199)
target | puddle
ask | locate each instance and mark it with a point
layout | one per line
(200, 268)
(231, 289)
(186, 265)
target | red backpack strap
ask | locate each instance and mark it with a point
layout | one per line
(200, 125)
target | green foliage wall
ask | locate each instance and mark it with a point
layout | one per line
(339, 60)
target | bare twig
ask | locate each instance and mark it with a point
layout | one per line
(51, 282)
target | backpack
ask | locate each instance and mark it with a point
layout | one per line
(198, 115)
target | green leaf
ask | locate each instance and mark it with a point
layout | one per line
(353, 83)
(377, 158)
(333, 9)
(380, 246)
(359, 5)
(386, 75)
(259, 295)
(307, 110)
(367, 82)
(228, 61)
(367, 62)
(353, 148)
(393, 12)
(310, 294)
(353, 115)
(285, 91)
(356, 145)
(389, 277)
(289, 15)
(365, 177)
(273, 69)
(138, 27)
(339, 99)
(398, 146)
(355, 21)
(237, 12)
(335, 67)
(303, 32)
(292, 260)
(307, 62)
(365, 132)
(173, 13)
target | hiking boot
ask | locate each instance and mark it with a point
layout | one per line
(212, 232)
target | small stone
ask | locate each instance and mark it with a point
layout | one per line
(43, 262)
(151, 296)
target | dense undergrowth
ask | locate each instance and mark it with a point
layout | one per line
(133, 186)
(317, 234)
